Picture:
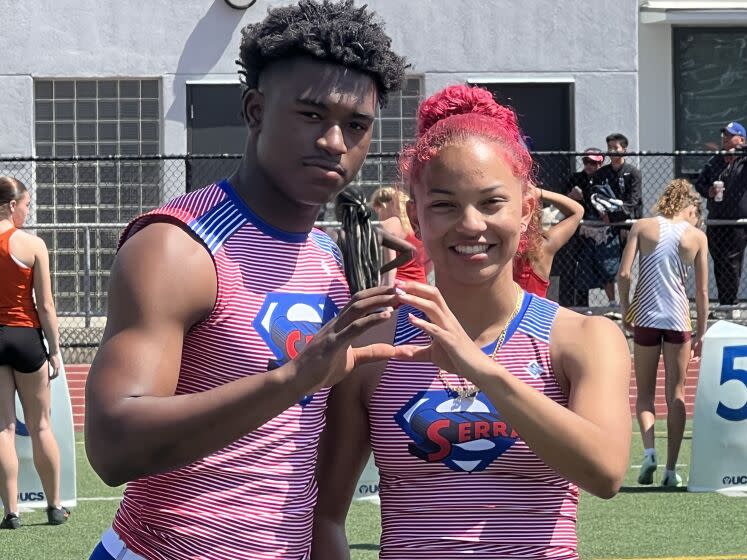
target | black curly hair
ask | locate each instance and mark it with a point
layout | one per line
(336, 32)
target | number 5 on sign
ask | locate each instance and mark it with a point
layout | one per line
(719, 451)
(731, 373)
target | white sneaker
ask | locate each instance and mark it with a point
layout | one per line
(648, 467)
(673, 481)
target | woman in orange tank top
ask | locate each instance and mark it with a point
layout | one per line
(390, 205)
(24, 364)
(533, 263)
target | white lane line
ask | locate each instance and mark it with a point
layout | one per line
(678, 465)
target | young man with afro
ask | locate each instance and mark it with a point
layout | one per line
(229, 316)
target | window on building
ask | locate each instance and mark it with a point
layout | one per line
(393, 128)
(93, 118)
(710, 70)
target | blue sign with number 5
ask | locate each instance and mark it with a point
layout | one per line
(730, 373)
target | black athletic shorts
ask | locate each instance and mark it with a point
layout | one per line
(22, 348)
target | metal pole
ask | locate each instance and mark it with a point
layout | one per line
(87, 276)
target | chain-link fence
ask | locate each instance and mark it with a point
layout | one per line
(81, 204)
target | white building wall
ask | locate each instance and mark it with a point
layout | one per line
(16, 115)
(656, 87)
(591, 42)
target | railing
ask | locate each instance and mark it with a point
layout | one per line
(81, 204)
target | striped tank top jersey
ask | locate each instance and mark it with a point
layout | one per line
(660, 300)
(455, 477)
(255, 498)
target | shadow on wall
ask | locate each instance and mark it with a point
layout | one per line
(204, 48)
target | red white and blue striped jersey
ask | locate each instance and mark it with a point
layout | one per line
(254, 498)
(455, 477)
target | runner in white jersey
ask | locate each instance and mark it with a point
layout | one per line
(228, 313)
(494, 409)
(659, 315)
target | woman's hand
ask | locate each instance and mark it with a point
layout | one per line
(697, 348)
(451, 349)
(55, 364)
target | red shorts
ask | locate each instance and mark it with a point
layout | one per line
(646, 336)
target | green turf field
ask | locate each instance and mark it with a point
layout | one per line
(638, 523)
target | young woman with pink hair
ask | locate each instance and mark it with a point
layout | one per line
(492, 413)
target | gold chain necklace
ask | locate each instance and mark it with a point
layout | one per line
(468, 390)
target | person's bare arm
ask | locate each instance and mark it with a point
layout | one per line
(587, 442)
(135, 425)
(343, 452)
(624, 273)
(559, 234)
(403, 250)
(701, 292)
(598, 403)
(388, 270)
(45, 302)
(395, 250)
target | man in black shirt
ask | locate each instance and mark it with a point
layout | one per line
(623, 178)
(577, 187)
(623, 181)
(727, 243)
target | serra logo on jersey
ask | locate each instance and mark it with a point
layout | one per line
(288, 321)
(466, 435)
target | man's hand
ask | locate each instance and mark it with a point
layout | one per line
(55, 364)
(330, 356)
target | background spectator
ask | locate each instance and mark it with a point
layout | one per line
(533, 263)
(577, 187)
(619, 187)
(26, 312)
(726, 242)
(659, 315)
(390, 204)
(623, 178)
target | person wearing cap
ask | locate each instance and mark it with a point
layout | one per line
(577, 187)
(619, 197)
(726, 243)
(732, 136)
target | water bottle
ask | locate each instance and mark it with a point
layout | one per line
(719, 186)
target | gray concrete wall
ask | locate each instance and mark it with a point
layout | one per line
(592, 43)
